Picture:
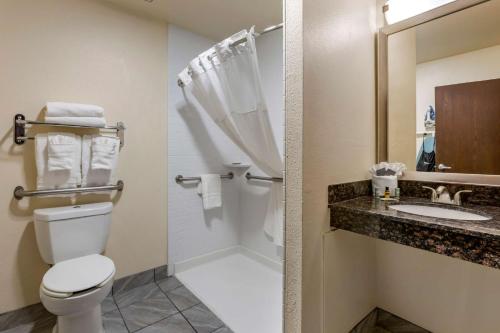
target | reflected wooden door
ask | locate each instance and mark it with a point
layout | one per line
(468, 127)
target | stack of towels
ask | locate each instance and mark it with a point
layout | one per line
(75, 114)
(64, 160)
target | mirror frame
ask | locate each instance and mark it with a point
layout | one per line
(382, 93)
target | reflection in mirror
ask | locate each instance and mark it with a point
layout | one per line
(444, 93)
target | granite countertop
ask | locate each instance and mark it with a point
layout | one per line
(474, 241)
(485, 229)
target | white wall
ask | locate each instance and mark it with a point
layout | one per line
(196, 146)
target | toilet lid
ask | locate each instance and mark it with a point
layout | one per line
(74, 275)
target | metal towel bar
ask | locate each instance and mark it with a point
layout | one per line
(20, 193)
(249, 176)
(20, 125)
(180, 178)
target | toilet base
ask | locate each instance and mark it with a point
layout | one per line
(88, 322)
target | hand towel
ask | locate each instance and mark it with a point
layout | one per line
(47, 179)
(61, 151)
(83, 121)
(104, 152)
(210, 190)
(273, 225)
(96, 177)
(62, 109)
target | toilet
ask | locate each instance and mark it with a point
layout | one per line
(72, 239)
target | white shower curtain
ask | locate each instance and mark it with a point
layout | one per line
(225, 82)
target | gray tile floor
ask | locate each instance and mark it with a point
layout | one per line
(165, 306)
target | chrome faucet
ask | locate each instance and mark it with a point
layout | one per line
(441, 195)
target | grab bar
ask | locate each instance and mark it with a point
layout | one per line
(180, 178)
(20, 193)
(271, 179)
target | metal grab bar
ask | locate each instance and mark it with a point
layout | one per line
(180, 178)
(20, 193)
(249, 176)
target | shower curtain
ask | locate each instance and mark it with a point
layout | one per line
(225, 82)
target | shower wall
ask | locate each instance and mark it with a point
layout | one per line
(197, 146)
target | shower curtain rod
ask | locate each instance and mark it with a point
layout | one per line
(265, 31)
(244, 39)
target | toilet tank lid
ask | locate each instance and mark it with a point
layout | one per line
(70, 212)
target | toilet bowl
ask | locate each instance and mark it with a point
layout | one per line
(71, 239)
(74, 289)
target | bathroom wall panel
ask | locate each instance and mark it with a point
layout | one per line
(339, 144)
(89, 52)
(436, 292)
(196, 146)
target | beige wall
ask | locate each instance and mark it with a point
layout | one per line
(82, 51)
(293, 45)
(439, 293)
(350, 280)
(402, 72)
(339, 146)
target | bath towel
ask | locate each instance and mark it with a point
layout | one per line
(210, 190)
(81, 121)
(62, 109)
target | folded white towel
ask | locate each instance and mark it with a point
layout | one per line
(62, 109)
(83, 121)
(210, 190)
(96, 177)
(61, 151)
(273, 225)
(104, 152)
(47, 179)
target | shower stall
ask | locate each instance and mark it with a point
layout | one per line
(230, 257)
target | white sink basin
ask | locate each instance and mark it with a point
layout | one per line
(439, 212)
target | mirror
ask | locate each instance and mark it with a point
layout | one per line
(443, 93)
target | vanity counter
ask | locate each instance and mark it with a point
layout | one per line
(474, 241)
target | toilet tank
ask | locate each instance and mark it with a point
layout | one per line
(64, 233)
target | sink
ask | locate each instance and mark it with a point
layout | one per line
(439, 212)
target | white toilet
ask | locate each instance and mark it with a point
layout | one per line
(72, 238)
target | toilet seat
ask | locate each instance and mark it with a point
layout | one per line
(79, 274)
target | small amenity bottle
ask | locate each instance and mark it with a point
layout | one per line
(387, 193)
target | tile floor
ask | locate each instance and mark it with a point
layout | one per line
(165, 306)
(381, 321)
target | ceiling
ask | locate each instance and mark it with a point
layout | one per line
(215, 19)
(471, 29)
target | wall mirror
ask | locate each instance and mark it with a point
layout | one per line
(439, 90)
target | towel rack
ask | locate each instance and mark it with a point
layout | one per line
(20, 193)
(180, 178)
(271, 179)
(20, 125)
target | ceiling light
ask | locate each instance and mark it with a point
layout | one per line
(399, 10)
